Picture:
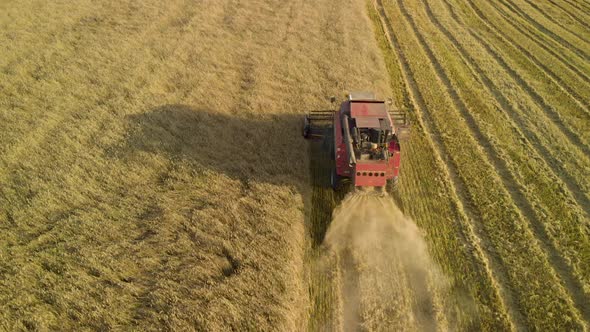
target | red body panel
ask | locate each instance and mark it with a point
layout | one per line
(373, 173)
(361, 109)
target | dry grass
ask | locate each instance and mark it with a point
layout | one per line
(152, 172)
(153, 176)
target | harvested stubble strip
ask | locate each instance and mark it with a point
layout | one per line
(525, 35)
(521, 103)
(508, 10)
(551, 84)
(563, 220)
(507, 231)
(427, 197)
(578, 29)
(547, 28)
(567, 11)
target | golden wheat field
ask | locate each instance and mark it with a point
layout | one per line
(153, 175)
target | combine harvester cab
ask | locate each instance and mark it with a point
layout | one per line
(366, 140)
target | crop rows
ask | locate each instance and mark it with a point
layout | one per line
(429, 198)
(568, 221)
(526, 192)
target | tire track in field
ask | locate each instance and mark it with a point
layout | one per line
(323, 276)
(570, 14)
(492, 28)
(506, 177)
(566, 62)
(552, 35)
(562, 267)
(556, 21)
(495, 267)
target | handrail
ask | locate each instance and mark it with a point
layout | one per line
(351, 155)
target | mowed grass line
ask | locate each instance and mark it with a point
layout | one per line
(563, 226)
(572, 11)
(570, 161)
(493, 201)
(570, 111)
(578, 29)
(507, 9)
(556, 33)
(524, 34)
(437, 208)
(581, 6)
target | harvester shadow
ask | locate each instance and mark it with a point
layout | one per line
(250, 147)
(260, 147)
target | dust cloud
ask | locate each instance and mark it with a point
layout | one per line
(387, 280)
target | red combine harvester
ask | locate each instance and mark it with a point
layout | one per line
(366, 140)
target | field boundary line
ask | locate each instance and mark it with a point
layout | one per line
(493, 265)
(562, 267)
